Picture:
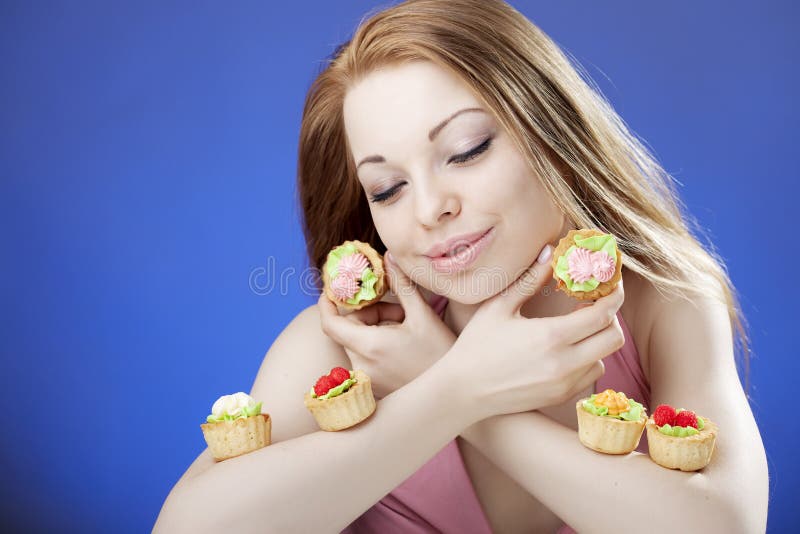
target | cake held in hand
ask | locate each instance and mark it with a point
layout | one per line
(236, 426)
(610, 422)
(354, 276)
(587, 264)
(680, 439)
(340, 399)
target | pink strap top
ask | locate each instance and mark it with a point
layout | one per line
(440, 497)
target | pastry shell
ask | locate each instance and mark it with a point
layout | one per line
(607, 434)
(345, 410)
(690, 453)
(227, 439)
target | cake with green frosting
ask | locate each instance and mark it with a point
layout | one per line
(587, 264)
(680, 439)
(610, 422)
(236, 426)
(340, 399)
(353, 275)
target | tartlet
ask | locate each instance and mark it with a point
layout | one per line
(609, 422)
(680, 439)
(236, 426)
(340, 399)
(354, 276)
(587, 264)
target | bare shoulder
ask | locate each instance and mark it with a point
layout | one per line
(297, 357)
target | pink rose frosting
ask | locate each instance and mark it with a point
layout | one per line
(353, 265)
(580, 265)
(585, 264)
(602, 266)
(344, 286)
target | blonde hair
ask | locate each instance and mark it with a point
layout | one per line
(593, 167)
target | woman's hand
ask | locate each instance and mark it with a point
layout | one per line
(392, 343)
(507, 363)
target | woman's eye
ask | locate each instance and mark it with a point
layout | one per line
(383, 196)
(478, 150)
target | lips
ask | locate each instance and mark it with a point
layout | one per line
(462, 252)
(447, 248)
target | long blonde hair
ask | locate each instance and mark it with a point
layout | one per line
(593, 167)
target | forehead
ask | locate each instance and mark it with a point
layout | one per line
(400, 104)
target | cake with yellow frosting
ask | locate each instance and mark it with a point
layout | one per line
(340, 399)
(680, 439)
(609, 422)
(353, 275)
(587, 264)
(236, 426)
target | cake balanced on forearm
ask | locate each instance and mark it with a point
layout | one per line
(610, 422)
(236, 426)
(340, 399)
(354, 276)
(587, 264)
(680, 439)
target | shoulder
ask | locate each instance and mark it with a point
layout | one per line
(299, 355)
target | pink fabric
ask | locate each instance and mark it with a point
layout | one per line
(440, 497)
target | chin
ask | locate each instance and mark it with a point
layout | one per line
(474, 286)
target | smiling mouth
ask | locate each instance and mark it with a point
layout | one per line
(463, 255)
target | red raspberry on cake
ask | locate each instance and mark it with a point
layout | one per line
(665, 415)
(324, 384)
(686, 418)
(339, 374)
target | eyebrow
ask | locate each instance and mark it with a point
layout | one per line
(431, 135)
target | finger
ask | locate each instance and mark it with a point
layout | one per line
(600, 345)
(347, 333)
(527, 284)
(405, 289)
(589, 318)
(592, 374)
(377, 313)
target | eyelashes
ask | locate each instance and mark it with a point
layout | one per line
(383, 196)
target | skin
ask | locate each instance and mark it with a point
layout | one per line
(516, 425)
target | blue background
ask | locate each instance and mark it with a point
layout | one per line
(147, 163)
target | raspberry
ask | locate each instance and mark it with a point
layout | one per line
(339, 374)
(664, 415)
(323, 385)
(686, 418)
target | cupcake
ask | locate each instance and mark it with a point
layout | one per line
(340, 399)
(610, 422)
(587, 264)
(353, 275)
(680, 439)
(236, 426)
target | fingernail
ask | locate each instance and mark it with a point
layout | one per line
(544, 255)
(387, 257)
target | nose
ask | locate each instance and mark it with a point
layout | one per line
(435, 202)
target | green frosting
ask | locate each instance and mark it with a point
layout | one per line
(678, 431)
(338, 390)
(633, 414)
(245, 412)
(368, 278)
(606, 242)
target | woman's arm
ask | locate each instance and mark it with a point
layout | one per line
(317, 481)
(692, 366)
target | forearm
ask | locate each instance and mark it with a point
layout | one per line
(594, 492)
(330, 478)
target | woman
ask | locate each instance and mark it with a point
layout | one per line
(457, 128)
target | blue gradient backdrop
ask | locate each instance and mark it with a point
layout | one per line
(147, 166)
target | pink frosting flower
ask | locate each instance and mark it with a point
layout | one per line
(603, 266)
(585, 264)
(353, 265)
(344, 286)
(580, 265)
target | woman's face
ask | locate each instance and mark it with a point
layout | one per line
(450, 195)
